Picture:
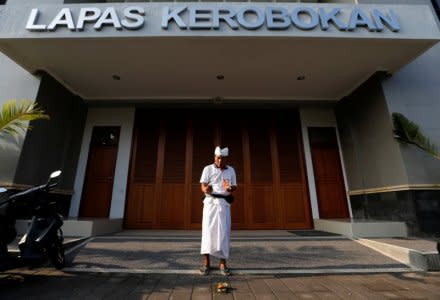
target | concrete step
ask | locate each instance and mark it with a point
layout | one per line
(82, 228)
(349, 228)
(362, 228)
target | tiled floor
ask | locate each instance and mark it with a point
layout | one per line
(50, 284)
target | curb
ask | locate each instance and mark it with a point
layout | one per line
(74, 242)
(423, 261)
(237, 272)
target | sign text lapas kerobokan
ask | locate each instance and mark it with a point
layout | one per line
(208, 17)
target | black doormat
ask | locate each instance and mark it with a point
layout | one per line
(312, 233)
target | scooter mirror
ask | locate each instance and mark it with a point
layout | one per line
(55, 174)
(2, 190)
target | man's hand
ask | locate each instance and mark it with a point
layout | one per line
(206, 188)
(231, 188)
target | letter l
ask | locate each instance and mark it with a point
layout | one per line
(33, 18)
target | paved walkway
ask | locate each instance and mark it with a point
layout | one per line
(266, 265)
(50, 284)
(249, 255)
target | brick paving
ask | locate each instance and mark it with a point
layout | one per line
(46, 283)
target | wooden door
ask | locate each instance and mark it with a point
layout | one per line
(203, 137)
(141, 206)
(170, 149)
(98, 186)
(295, 210)
(172, 196)
(231, 135)
(263, 201)
(330, 188)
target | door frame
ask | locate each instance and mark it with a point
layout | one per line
(319, 117)
(123, 117)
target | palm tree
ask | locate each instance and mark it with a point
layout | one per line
(409, 132)
(15, 117)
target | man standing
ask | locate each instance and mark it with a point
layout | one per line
(218, 181)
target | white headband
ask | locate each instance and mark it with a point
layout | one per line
(221, 152)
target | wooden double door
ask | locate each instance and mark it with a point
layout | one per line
(171, 147)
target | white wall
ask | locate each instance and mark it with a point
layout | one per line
(15, 83)
(123, 117)
(318, 117)
(415, 92)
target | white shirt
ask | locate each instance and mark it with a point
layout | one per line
(215, 176)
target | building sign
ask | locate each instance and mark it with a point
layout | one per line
(212, 17)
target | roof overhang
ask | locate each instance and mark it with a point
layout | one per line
(156, 62)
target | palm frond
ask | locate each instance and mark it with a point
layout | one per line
(409, 132)
(15, 116)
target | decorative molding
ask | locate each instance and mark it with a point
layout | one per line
(395, 188)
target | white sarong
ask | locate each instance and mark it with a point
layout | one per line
(216, 227)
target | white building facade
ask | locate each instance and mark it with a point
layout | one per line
(140, 93)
